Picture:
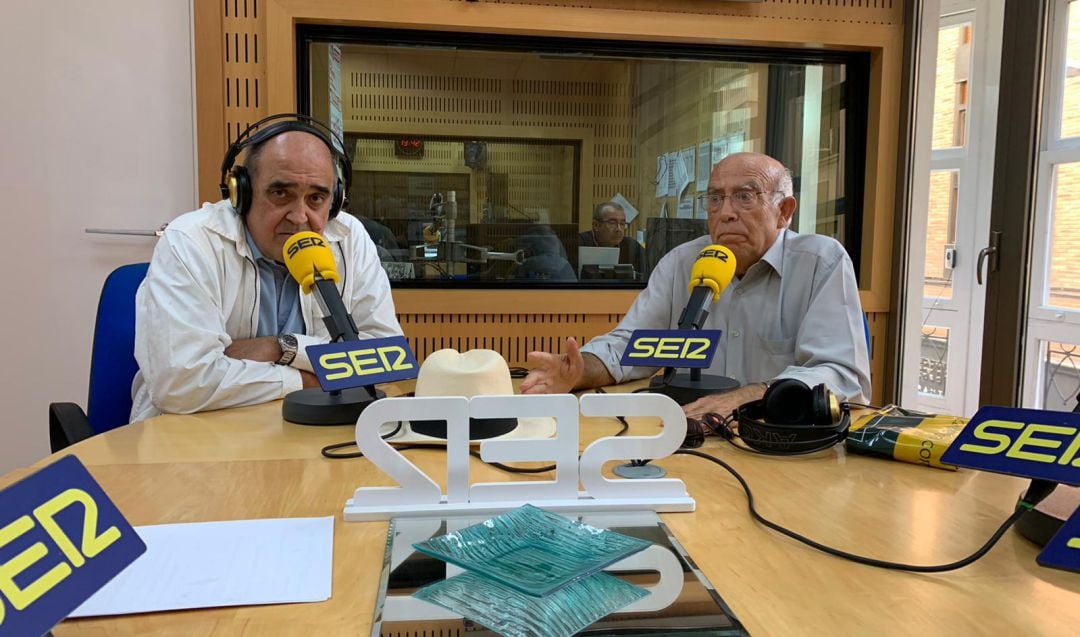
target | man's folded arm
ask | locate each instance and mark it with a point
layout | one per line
(181, 339)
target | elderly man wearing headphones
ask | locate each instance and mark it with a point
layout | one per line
(219, 321)
(792, 311)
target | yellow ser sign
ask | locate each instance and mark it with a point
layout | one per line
(1027, 441)
(91, 543)
(363, 362)
(675, 347)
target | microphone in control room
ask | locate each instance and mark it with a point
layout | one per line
(709, 277)
(311, 262)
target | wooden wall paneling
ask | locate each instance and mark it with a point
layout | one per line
(513, 335)
(231, 72)
(245, 65)
(209, 95)
(881, 155)
(510, 322)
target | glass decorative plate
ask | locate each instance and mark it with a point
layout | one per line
(513, 614)
(532, 550)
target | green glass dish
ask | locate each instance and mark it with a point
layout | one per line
(531, 550)
(511, 613)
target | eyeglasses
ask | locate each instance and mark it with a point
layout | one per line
(743, 200)
(615, 225)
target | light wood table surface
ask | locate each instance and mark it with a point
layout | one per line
(248, 463)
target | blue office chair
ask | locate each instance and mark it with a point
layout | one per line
(112, 364)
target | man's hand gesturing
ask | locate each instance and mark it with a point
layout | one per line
(553, 373)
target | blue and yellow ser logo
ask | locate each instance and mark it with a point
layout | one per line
(61, 539)
(671, 348)
(357, 363)
(1032, 443)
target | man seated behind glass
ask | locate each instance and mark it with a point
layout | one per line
(609, 231)
(219, 320)
(792, 310)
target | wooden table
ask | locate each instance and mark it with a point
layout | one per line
(248, 463)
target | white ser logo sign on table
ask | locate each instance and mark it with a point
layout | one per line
(419, 495)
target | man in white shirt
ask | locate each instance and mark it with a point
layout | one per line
(219, 323)
(792, 311)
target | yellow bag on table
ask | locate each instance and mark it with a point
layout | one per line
(894, 433)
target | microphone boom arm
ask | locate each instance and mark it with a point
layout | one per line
(336, 317)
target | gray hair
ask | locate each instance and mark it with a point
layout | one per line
(784, 183)
(598, 211)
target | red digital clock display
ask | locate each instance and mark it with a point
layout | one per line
(409, 147)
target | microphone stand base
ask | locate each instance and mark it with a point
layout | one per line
(313, 406)
(630, 470)
(684, 390)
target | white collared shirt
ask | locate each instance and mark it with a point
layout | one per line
(794, 314)
(202, 292)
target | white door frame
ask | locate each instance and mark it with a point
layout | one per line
(963, 313)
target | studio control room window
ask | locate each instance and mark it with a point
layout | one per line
(486, 161)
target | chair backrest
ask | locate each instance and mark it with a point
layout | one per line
(112, 361)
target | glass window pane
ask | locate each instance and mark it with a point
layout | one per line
(940, 234)
(1064, 262)
(1070, 120)
(1061, 375)
(531, 141)
(933, 360)
(951, 86)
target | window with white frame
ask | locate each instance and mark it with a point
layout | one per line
(1052, 354)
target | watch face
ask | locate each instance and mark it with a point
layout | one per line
(288, 345)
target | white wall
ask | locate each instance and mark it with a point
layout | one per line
(96, 130)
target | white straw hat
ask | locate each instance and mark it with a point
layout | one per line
(477, 372)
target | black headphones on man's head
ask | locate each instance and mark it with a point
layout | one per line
(791, 418)
(236, 182)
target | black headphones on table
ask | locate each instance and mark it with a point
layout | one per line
(236, 182)
(790, 419)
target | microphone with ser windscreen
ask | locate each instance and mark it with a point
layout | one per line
(710, 275)
(306, 254)
(311, 262)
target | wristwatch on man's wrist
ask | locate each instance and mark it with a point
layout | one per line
(288, 345)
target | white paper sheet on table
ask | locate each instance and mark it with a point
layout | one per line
(234, 563)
